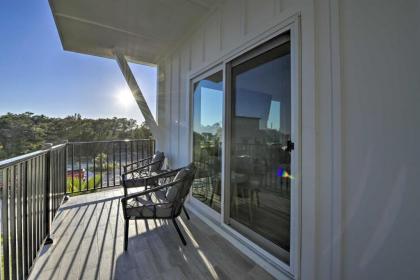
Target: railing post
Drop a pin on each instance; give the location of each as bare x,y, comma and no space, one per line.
48,240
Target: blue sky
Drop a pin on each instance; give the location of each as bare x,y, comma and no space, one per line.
37,75
211,106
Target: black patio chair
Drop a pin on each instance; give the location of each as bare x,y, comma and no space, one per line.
164,201
136,174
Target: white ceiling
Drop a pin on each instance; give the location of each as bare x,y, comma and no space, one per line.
141,29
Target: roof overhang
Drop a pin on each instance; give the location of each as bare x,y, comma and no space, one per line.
142,30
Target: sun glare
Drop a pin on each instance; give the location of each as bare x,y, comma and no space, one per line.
124,97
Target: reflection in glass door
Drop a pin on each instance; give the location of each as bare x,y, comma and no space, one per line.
207,139
260,147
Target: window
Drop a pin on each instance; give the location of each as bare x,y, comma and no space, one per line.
207,139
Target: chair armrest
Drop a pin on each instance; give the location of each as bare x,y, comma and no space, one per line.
138,169
167,173
154,189
137,163
147,180
157,176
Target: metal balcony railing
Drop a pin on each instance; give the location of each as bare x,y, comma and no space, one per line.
33,187
99,164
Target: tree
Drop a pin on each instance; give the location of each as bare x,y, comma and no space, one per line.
23,133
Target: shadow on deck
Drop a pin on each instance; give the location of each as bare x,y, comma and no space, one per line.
88,244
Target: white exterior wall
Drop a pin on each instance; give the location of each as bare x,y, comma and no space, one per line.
381,135
227,27
360,86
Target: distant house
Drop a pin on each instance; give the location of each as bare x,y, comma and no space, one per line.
77,173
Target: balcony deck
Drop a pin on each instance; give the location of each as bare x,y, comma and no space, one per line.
88,244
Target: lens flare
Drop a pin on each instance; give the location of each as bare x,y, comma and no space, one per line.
281,172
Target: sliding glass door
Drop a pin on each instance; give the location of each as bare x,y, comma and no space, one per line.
257,153
260,146
207,139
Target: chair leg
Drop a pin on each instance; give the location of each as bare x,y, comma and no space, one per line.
126,234
179,232
185,211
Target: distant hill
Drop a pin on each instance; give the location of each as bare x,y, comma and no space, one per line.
23,133
213,129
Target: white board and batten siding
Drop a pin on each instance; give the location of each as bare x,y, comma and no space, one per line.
226,28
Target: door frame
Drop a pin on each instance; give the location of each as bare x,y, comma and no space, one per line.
292,25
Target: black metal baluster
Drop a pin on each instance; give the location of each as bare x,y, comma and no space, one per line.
5,225
47,194
30,212
25,219
41,199
38,196
54,180
53,183
131,151
57,184
126,152
19,220
151,147
12,218
63,176
142,149
113,159
137,150
41,196
61,180
38,188
119,144
107,165
57,169
101,163
87,168
72,168
80,167
63,190
34,208
94,169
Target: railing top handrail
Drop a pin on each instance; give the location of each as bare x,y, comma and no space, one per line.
110,141
12,161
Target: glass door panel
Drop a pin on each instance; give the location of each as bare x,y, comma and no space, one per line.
207,139
260,147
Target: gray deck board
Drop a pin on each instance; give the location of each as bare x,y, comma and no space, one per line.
88,244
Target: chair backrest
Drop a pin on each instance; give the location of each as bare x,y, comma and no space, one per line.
177,193
157,161
187,186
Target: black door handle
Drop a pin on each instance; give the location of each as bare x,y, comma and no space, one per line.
290,146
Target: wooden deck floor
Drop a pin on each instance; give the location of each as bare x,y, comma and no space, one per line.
88,244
